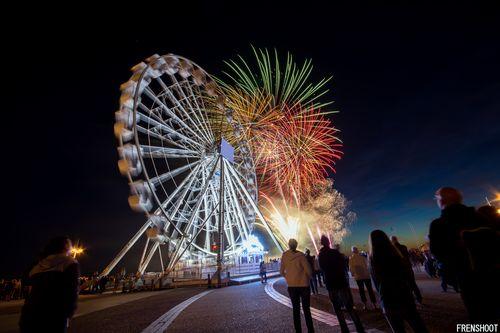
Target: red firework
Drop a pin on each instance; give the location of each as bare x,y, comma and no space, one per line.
295,151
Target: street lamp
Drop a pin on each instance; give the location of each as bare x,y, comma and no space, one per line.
75,251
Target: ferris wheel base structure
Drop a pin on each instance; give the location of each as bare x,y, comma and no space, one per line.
189,166
154,240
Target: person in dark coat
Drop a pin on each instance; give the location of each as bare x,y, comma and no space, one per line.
52,300
103,281
406,258
314,282
463,243
263,272
333,263
391,277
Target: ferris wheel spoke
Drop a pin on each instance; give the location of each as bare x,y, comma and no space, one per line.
184,188
202,107
236,189
186,116
229,231
192,241
191,189
171,174
252,203
159,123
195,210
181,199
180,187
162,138
205,116
162,152
169,112
179,103
237,207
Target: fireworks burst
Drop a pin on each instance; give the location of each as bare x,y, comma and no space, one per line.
286,85
294,145
326,213
330,209
285,225
296,152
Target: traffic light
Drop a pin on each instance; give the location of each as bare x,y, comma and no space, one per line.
214,247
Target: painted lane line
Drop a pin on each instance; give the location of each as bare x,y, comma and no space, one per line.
322,316
161,324
319,315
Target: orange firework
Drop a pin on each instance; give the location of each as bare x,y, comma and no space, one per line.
296,151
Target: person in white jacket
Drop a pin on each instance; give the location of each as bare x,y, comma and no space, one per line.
358,265
297,273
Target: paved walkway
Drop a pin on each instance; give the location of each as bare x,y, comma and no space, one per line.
96,312
251,307
245,308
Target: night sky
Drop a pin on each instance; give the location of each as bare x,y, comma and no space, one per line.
418,90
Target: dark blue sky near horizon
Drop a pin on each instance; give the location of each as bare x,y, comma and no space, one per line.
417,89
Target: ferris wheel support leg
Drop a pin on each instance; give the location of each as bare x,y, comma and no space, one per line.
254,206
220,228
178,248
144,252
145,264
125,249
175,260
161,258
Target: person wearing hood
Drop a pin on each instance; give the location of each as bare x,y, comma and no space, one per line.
54,282
333,265
297,273
467,248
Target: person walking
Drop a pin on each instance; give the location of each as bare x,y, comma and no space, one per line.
8,290
263,272
358,265
333,265
52,300
468,250
392,280
314,282
317,272
406,259
446,280
103,281
297,273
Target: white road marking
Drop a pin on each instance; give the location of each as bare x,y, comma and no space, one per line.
322,316
161,324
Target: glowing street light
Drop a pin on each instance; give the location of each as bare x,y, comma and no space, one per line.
75,251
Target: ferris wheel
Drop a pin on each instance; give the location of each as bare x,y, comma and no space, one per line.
188,164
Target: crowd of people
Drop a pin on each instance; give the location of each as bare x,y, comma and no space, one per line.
464,249
11,289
